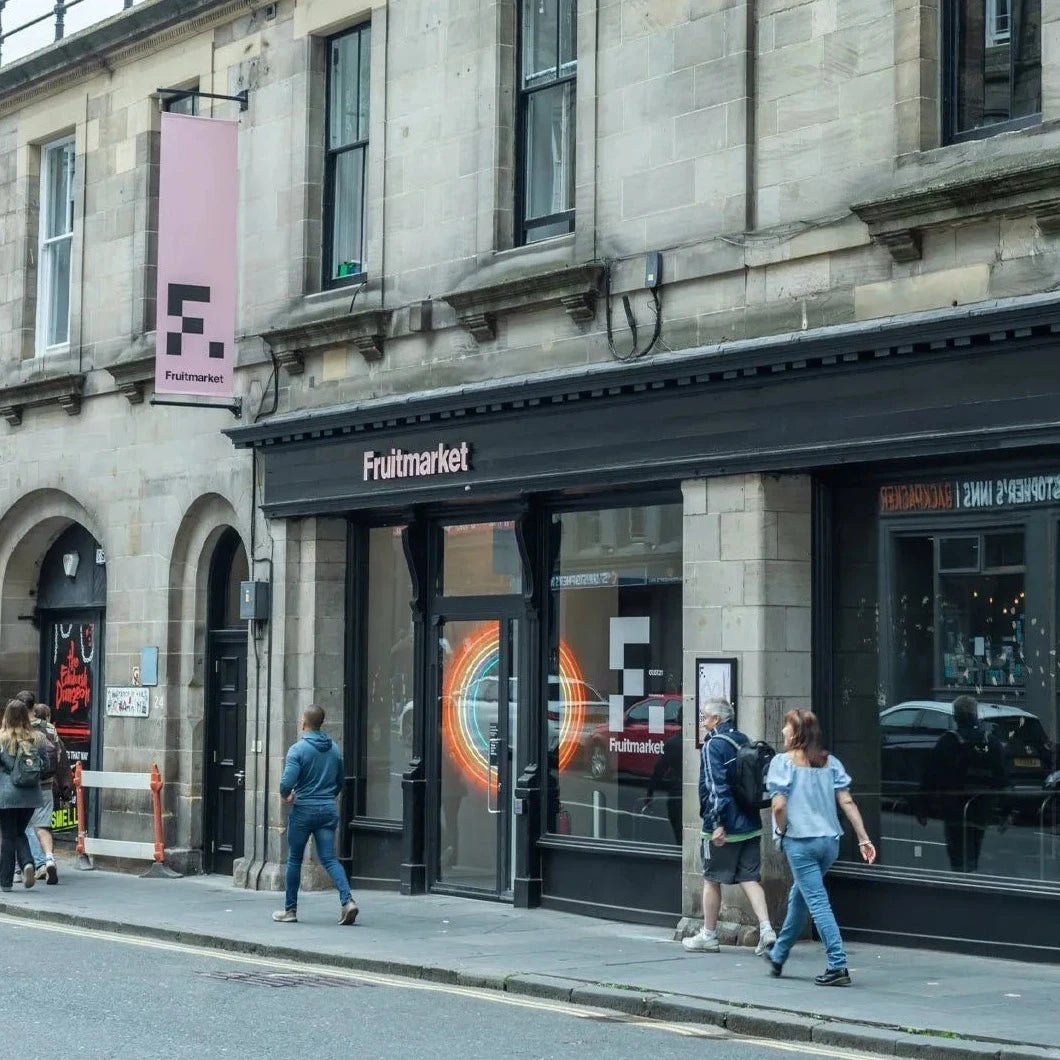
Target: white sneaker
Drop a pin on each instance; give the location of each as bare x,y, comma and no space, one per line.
702,941
767,937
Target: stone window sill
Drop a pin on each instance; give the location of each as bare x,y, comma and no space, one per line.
64,390
328,319
977,190
528,278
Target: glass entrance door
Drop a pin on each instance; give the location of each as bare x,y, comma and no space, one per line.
478,706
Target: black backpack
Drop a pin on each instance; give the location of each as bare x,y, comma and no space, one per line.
50,754
746,773
27,766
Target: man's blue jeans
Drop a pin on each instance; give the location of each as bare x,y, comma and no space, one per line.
810,859
320,822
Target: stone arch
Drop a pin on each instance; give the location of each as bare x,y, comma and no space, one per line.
202,526
28,529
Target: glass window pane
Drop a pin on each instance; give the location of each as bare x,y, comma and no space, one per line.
1003,550
998,61
347,229
364,90
183,105
614,718
57,312
59,180
481,559
549,163
568,37
959,553
388,657
981,625
540,38
343,104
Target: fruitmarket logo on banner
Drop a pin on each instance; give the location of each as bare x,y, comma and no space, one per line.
197,202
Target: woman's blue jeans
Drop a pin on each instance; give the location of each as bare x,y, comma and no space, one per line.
810,859
320,822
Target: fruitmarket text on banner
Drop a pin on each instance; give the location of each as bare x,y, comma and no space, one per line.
196,309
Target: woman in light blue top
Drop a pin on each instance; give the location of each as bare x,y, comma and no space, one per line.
806,785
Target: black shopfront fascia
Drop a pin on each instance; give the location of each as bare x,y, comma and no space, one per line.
938,386
979,494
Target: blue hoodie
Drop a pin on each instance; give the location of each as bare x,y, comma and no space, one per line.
313,770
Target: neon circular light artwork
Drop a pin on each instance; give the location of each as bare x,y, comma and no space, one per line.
470,703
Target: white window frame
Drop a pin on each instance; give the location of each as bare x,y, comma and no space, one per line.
51,153
998,22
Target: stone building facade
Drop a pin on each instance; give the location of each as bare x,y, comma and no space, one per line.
856,223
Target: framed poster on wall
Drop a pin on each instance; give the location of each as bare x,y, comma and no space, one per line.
715,679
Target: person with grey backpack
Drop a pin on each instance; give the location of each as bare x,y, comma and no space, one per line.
21,767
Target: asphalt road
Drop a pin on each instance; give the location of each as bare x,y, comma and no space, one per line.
70,992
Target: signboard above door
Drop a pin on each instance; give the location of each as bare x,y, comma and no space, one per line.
970,493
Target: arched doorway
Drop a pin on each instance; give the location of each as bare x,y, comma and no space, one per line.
226,707
71,604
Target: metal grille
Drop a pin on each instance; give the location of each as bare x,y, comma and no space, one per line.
277,979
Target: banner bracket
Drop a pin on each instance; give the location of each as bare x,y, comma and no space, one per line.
242,98
235,406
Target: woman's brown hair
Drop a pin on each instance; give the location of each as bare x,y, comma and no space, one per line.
16,727
806,736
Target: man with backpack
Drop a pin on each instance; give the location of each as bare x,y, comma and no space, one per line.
731,790
54,776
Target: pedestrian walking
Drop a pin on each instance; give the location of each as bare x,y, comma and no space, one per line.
807,784
21,764
311,782
55,778
731,842
35,848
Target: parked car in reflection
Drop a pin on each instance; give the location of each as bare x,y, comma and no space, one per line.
636,748
909,732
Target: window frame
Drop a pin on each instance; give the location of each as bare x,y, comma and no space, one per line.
949,12
49,152
329,281
523,224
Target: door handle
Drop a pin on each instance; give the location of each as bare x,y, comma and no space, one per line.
239,778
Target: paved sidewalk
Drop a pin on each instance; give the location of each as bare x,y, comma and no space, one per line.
903,1003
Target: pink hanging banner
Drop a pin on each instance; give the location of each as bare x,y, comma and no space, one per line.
198,192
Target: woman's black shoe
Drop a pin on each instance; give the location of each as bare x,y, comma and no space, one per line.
775,969
833,977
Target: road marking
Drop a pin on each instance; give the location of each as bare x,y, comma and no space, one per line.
497,997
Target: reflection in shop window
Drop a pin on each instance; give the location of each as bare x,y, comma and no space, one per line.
964,760
615,669
481,559
388,668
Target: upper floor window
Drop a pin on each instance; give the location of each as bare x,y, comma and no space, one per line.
993,67
185,103
349,64
547,87
56,240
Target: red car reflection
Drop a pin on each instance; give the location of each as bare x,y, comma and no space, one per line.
635,749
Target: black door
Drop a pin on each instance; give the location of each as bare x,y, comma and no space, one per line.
226,734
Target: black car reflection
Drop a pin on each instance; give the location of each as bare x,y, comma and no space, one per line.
910,731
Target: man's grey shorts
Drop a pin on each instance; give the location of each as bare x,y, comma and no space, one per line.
732,862
42,815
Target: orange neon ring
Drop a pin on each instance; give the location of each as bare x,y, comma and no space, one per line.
464,739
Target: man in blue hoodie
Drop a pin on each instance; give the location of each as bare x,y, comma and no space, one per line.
311,782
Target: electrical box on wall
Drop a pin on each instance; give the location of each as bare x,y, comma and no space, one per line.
254,601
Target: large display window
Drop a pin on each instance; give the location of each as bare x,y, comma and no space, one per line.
944,686
388,709
614,675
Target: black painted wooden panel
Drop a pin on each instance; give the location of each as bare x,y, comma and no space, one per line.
933,405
